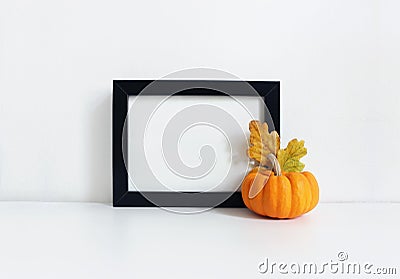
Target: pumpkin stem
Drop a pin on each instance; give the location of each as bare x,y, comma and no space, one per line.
275,164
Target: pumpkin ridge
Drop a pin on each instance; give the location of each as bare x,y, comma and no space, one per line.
284,203
309,193
291,197
303,192
266,198
314,189
262,201
296,199
249,183
290,193
269,207
246,184
278,193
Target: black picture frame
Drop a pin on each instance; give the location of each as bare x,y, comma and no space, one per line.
269,91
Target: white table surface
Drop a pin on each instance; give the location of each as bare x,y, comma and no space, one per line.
89,240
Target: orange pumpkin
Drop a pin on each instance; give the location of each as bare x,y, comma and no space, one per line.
279,195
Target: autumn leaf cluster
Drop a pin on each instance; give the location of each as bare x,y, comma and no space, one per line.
263,142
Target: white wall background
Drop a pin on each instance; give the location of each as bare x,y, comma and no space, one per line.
338,62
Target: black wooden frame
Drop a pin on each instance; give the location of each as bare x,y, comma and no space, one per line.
122,89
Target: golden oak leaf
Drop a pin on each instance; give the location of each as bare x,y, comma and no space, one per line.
262,142
289,158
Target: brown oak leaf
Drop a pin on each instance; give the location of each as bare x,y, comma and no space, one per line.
262,142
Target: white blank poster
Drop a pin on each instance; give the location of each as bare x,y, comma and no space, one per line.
208,153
